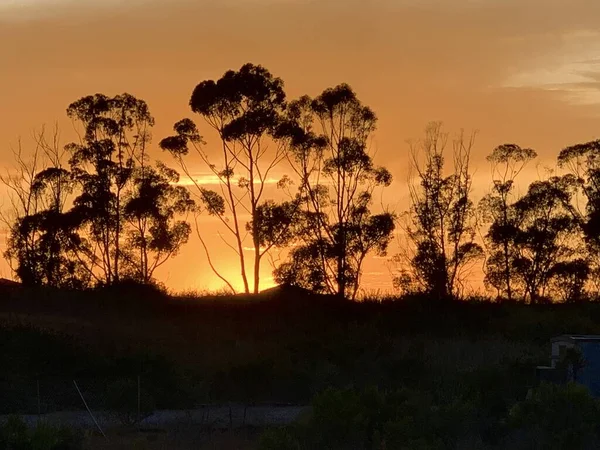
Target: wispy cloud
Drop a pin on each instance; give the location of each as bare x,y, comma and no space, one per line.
203,179
206,179
26,10
572,69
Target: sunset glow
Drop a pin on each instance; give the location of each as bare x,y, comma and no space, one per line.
524,72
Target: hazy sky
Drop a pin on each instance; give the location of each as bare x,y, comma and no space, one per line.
522,71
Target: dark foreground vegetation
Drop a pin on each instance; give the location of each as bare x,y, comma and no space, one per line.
383,373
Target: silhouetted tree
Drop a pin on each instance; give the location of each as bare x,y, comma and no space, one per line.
154,234
583,161
568,280
274,223
546,241
336,230
116,131
245,108
41,238
19,182
441,224
507,162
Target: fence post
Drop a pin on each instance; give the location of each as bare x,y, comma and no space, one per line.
89,411
39,400
139,402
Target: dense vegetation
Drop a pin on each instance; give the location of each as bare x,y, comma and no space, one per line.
15,435
552,418
472,362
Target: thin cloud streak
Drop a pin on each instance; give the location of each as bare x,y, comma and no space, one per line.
214,180
573,70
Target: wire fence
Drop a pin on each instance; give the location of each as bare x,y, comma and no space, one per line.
25,395
105,402
128,400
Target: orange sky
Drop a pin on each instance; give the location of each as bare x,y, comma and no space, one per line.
519,71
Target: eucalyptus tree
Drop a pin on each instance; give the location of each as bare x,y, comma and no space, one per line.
245,109
507,162
155,212
115,133
583,162
441,220
19,182
336,229
41,239
547,251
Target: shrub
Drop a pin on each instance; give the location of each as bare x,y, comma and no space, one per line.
278,439
372,420
122,398
14,435
46,437
555,417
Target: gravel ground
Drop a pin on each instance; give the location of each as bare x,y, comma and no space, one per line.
213,416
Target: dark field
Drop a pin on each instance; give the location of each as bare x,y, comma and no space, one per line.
284,347
176,440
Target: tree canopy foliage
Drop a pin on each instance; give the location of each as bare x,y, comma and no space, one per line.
441,226
106,215
245,108
336,229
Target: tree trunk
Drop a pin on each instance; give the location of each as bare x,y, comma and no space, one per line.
507,256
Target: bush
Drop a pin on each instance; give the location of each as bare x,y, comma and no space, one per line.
278,439
14,435
342,418
122,398
555,417
371,420
161,383
45,437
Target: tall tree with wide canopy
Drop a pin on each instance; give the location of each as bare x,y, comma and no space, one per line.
496,209
116,132
441,221
547,242
41,239
583,162
336,230
245,109
154,232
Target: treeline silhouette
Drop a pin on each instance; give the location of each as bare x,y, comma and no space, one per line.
99,212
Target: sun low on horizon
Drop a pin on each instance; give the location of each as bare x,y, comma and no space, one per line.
524,72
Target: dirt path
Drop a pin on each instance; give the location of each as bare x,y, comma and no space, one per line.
213,416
